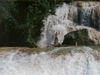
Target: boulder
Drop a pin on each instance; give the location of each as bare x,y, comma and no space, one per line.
78,37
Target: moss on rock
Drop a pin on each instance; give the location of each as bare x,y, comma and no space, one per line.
79,37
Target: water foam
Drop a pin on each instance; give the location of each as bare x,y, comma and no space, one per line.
78,61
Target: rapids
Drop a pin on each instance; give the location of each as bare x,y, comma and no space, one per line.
60,61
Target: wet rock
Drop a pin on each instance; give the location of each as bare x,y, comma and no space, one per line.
79,37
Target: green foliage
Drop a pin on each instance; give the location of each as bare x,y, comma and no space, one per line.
70,36
36,13
6,20
21,21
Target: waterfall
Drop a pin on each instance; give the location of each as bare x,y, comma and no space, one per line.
59,21
63,60
89,13
59,61
67,18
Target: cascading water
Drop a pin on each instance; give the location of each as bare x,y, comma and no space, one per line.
67,18
89,13
57,22
60,61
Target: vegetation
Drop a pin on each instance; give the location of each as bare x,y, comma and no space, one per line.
21,21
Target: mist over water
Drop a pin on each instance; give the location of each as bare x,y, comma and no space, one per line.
71,61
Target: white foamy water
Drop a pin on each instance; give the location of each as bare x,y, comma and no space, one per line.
67,18
78,61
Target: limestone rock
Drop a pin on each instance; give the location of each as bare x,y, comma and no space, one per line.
94,35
